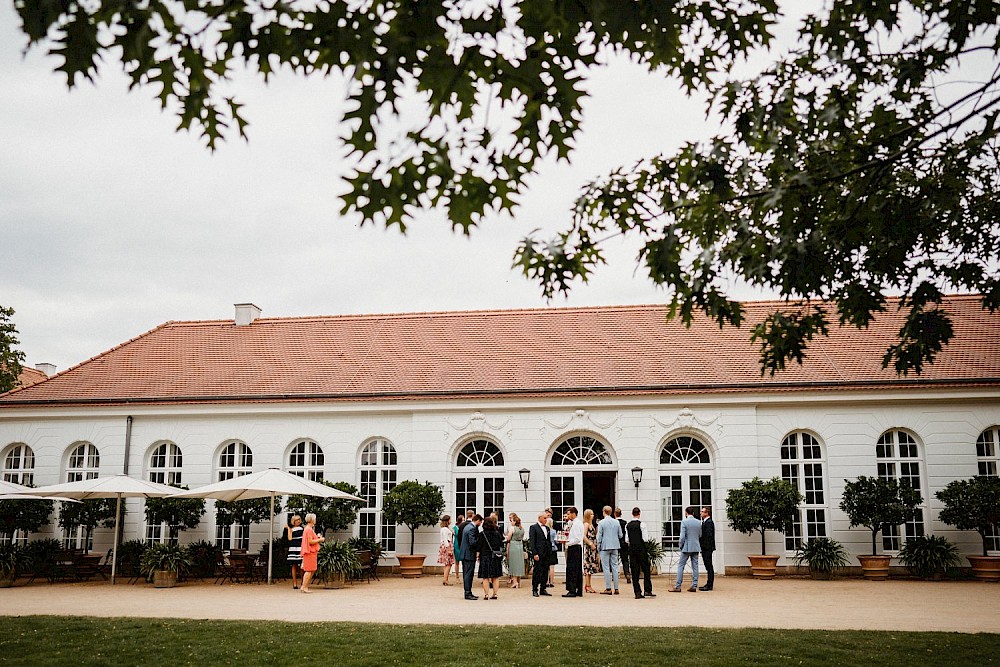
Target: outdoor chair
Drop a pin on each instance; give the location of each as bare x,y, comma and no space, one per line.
366,558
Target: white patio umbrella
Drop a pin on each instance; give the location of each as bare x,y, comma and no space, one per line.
115,486
267,483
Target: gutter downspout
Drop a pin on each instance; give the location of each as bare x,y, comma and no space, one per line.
128,442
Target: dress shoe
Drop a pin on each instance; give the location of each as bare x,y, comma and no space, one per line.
607,592
693,589
675,589
534,594
545,593
705,588
650,595
471,597
616,591
639,597
569,595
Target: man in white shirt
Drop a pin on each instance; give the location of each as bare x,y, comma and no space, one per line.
638,558
574,555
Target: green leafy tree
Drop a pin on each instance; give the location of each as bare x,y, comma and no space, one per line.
26,515
89,514
846,167
11,359
331,513
178,513
245,512
972,504
757,506
413,504
878,504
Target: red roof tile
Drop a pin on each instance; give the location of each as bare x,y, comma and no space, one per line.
572,351
30,376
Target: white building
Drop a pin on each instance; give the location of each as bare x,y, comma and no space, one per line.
584,399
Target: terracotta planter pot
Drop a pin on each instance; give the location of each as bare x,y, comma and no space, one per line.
411,567
875,568
164,579
334,580
763,567
985,568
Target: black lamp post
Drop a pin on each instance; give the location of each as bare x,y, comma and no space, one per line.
525,476
636,478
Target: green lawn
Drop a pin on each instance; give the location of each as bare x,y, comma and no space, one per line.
50,640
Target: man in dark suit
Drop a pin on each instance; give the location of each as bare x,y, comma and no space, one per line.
707,546
541,547
638,558
469,545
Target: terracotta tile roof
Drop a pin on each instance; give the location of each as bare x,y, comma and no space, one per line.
30,376
570,351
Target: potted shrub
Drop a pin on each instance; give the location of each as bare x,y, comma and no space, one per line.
929,556
878,504
415,505
163,563
335,562
758,506
823,555
12,560
974,504
655,552
40,556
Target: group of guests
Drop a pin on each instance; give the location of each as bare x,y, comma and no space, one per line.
590,549
303,549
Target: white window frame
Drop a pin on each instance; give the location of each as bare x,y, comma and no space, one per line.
165,464
82,462
893,463
18,467
235,459
479,464
801,453
378,472
988,465
686,460
306,459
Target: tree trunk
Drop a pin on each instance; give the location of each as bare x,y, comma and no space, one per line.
874,548
763,547
413,534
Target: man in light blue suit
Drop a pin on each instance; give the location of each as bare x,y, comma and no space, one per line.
690,547
609,543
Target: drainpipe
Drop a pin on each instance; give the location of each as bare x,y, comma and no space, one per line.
128,442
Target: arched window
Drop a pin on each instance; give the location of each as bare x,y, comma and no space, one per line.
685,481
479,482
235,460
165,462
580,450
378,476
898,457
19,465
305,459
19,468
802,465
988,461
84,463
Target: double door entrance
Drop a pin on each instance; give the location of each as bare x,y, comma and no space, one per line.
589,489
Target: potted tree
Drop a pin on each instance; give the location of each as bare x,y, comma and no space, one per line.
336,562
415,505
974,504
26,515
758,506
823,555
878,504
178,513
245,512
88,514
163,563
929,556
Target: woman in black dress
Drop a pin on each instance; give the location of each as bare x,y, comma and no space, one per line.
490,563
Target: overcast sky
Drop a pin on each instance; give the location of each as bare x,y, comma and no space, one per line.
113,223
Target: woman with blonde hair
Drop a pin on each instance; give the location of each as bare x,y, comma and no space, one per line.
310,549
591,559
514,539
446,548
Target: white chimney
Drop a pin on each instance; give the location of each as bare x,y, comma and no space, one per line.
246,313
48,369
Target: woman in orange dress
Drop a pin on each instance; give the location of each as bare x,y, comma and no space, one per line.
310,549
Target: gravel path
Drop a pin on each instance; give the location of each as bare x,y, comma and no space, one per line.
736,602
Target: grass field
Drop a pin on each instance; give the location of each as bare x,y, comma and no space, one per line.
64,641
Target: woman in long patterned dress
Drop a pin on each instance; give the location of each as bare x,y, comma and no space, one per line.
591,559
515,550
491,564
294,534
446,548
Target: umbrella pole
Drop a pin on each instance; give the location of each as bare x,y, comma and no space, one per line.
114,551
270,542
